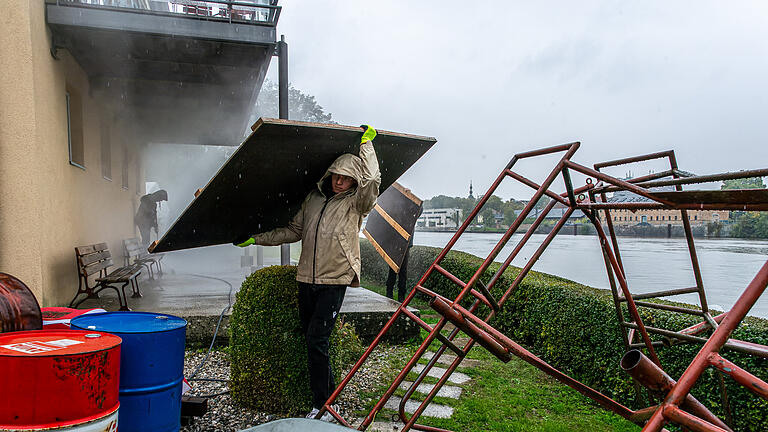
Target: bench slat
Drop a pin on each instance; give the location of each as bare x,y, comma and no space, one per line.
94,257
83,250
95,268
122,274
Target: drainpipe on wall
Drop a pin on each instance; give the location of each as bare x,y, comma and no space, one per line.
282,70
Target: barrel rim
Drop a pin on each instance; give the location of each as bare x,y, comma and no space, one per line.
117,332
53,426
66,332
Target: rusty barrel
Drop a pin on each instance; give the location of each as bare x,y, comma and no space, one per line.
19,309
59,380
152,366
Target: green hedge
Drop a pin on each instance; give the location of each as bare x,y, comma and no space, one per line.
268,353
575,328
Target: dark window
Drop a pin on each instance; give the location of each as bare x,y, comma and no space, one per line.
125,167
106,152
75,128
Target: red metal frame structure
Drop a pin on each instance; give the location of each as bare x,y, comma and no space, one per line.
678,405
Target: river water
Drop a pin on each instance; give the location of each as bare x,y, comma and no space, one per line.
651,264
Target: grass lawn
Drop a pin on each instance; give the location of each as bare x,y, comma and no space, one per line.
512,396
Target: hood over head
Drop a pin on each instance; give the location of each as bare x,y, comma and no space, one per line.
160,195
347,164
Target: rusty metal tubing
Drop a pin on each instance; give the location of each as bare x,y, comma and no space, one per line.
423,374
625,337
662,306
450,276
542,216
700,179
570,147
635,159
569,186
625,289
612,232
652,377
364,357
702,326
665,293
485,340
466,223
743,305
401,376
545,367
412,389
609,179
518,221
536,255
431,395
732,344
689,421
713,344
692,250
535,186
684,206
741,376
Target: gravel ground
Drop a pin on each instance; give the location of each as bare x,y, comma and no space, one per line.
224,415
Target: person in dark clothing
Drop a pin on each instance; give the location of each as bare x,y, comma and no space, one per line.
146,216
402,275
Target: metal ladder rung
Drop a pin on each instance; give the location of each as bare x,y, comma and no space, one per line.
658,294
492,301
670,308
485,298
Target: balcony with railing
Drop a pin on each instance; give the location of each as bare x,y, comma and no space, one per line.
259,12
169,59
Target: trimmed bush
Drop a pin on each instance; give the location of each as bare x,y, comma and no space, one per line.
575,328
268,353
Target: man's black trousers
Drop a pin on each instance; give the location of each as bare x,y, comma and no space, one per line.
402,278
318,308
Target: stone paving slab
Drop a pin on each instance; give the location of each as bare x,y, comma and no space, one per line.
447,391
432,410
447,359
437,372
381,426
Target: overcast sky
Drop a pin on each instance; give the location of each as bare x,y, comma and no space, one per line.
491,79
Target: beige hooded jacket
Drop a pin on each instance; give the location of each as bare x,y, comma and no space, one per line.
328,225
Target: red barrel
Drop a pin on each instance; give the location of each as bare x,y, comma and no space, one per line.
54,379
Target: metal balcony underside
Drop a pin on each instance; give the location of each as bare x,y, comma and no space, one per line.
198,73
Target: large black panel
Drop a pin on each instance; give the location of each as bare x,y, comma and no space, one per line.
391,223
264,182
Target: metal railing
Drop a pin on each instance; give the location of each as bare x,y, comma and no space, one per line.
261,12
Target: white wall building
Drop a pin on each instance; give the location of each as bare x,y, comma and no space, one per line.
440,218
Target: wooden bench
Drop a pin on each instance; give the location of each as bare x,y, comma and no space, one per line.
95,261
136,254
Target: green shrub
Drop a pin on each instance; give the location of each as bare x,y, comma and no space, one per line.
268,353
575,328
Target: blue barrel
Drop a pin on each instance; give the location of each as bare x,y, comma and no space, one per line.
151,366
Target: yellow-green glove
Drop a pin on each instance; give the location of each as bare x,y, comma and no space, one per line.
368,135
246,243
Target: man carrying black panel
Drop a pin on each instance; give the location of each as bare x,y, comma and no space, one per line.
328,225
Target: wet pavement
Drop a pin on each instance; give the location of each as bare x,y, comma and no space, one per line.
199,285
